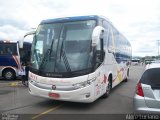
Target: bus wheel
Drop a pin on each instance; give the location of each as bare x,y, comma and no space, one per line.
9,74
126,80
108,89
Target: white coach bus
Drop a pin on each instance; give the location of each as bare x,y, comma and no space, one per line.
77,59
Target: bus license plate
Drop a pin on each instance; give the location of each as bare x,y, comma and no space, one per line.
54,95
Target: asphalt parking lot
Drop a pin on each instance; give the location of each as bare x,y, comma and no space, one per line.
15,99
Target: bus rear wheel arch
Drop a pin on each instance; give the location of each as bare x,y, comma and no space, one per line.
108,88
9,74
127,76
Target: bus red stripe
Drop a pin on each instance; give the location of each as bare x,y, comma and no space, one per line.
15,58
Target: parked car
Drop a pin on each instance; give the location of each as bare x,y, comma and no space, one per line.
155,61
147,96
135,62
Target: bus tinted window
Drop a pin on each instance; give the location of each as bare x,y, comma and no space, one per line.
106,32
8,49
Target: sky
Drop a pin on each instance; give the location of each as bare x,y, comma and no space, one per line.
137,20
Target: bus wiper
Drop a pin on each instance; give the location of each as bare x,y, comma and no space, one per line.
44,59
48,53
63,55
51,48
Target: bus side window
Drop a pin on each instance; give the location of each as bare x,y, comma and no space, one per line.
106,33
9,51
1,52
1,49
110,43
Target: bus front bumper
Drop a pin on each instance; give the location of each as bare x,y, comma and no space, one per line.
84,95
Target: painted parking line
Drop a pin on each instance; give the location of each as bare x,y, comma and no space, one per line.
11,84
47,111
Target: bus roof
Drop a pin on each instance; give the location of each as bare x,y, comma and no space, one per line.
7,41
66,19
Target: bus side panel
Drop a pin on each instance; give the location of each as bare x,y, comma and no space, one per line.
117,55
101,80
8,61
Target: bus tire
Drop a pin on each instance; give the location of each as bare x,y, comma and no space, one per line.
9,74
108,88
126,80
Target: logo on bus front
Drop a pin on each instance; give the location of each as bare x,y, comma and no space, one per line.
53,87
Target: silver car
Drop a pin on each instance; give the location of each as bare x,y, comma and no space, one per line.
147,96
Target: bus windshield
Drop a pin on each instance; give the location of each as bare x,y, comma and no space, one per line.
63,48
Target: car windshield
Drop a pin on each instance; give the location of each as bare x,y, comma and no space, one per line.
135,61
63,47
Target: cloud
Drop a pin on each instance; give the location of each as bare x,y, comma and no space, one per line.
16,23
138,20
8,32
58,6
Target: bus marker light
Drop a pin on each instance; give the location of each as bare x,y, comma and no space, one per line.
87,95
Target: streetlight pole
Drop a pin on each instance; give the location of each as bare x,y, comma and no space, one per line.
158,47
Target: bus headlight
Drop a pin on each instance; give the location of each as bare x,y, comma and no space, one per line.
84,84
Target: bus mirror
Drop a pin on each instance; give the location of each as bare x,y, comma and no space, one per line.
30,33
21,43
109,51
22,39
97,35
